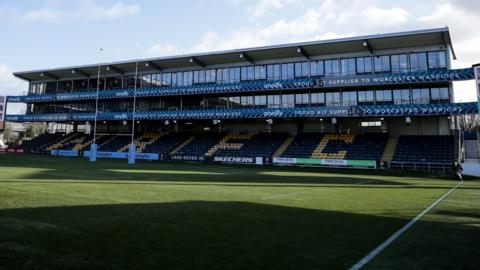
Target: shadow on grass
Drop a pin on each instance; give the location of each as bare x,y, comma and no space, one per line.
55,168
196,235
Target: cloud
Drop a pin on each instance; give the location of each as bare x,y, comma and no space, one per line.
161,50
11,86
385,17
263,7
84,11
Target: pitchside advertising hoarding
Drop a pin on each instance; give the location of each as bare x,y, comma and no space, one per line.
326,162
476,70
3,102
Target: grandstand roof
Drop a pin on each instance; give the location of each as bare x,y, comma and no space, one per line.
370,43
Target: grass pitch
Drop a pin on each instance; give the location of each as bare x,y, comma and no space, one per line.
66,213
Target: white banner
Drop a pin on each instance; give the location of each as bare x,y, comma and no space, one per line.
476,70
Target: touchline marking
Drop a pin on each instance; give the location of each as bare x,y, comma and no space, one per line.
282,195
398,233
364,182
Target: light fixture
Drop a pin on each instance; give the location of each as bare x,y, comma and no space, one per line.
299,50
138,122
365,44
191,60
124,122
381,119
321,119
334,120
408,120
104,122
270,121
167,122
174,121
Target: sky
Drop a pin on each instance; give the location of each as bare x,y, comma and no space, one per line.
54,33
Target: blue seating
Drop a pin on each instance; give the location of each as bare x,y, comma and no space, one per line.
363,147
40,143
167,143
424,148
201,144
115,144
303,145
259,145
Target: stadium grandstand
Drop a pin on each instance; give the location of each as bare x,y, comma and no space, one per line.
375,101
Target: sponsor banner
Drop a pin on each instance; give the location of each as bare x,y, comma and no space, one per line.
187,158
241,160
15,151
281,160
263,113
477,82
147,156
326,162
446,75
65,153
122,155
399,78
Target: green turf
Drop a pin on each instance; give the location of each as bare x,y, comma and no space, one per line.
65,213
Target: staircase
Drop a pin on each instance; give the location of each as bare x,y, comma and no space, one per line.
389,151
283,147
182,145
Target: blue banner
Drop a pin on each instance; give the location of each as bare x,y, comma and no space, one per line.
262,113
441,75
123,155
65,153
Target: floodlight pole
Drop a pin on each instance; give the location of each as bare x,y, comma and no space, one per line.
93,146
132,148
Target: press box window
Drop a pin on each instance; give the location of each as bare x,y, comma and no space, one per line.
371,124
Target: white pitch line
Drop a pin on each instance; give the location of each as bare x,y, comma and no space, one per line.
398,233
365,182
282,195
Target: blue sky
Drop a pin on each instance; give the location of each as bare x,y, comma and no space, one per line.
55,33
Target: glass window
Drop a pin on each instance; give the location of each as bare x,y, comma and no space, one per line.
302,99
364,65
260,101
273,72
349,98
366,97
199,76
273,101
317,68
234,75
222,75
332,99
187,78
331,67
166,79
383,96
420,96
247,73
317,99
399,63
437,60
288,101
260,73
401,96
210,76
440,94
234,102
301,69
287,71
382,63
348,66
418,61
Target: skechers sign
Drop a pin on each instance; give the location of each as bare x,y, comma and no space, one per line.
234,159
